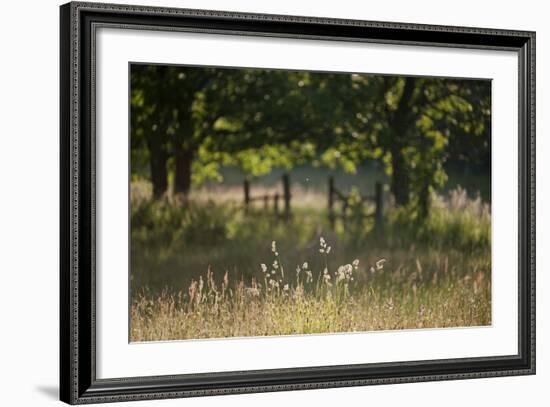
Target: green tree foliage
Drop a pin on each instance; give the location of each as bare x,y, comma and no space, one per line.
413,125
192,120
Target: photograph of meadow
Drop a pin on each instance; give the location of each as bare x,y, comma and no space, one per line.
274,202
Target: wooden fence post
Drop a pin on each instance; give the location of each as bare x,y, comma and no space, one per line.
331,202
246,195
286,195
266,202
379,206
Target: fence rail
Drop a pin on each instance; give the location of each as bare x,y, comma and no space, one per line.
334,195
274,198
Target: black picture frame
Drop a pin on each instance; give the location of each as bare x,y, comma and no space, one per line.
78,382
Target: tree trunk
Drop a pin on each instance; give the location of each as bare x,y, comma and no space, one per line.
424,201
159,174
400,182
401,123
182,181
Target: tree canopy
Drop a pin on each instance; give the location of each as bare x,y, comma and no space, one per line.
187,122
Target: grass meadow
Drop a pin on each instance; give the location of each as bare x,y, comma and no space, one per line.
204,269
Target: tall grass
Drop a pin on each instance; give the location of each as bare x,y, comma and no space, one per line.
455,222
205,270
299,301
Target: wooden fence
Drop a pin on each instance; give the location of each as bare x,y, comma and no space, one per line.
335,195
270,200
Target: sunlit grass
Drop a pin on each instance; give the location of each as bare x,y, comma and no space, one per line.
347,298
205,270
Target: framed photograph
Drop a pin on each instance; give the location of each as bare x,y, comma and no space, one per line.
255,203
